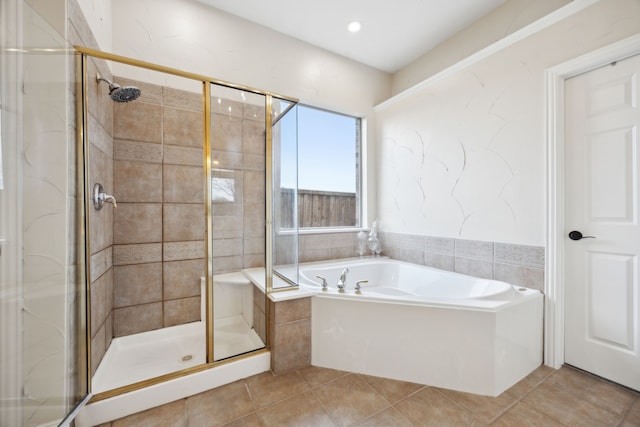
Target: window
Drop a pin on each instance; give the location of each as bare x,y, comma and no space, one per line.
328,169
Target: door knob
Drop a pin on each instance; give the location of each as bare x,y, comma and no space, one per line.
576,235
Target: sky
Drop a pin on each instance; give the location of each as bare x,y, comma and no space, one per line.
326,150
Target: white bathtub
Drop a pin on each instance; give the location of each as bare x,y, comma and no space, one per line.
419,324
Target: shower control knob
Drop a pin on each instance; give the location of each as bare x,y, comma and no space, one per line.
576,235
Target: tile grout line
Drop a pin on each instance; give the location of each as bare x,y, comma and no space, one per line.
624,414
471,413
253,402
378,413
185,416
508,408
593,376
627,411
389,404
521,398
394,406
277,402
326,382
324,408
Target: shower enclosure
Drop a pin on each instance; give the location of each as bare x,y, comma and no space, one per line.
189,166
185,167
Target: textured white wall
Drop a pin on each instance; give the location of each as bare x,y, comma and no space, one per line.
98,16
504,20
465,156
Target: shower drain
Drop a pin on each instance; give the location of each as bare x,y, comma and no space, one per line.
187,357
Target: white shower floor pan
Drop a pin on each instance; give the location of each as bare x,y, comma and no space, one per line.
147,355
232,336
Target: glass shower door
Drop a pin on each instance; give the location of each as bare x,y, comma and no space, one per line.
42,371
148,249
238,203
285,194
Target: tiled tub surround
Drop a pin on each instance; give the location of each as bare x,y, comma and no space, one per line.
317,246
324,246
289,323
290,331
159,225
516,264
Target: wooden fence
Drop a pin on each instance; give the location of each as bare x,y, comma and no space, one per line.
318,208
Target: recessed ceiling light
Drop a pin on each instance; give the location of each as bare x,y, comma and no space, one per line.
354,26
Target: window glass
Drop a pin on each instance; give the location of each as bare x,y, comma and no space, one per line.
328,169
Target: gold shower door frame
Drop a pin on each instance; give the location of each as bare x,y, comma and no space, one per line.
82,119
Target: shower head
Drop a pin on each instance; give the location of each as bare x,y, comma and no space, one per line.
120,93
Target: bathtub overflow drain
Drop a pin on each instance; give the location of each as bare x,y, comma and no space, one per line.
187,357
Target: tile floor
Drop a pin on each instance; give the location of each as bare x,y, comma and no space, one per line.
324,397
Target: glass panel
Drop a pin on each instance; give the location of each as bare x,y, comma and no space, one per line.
40,310
238,196
148,252
11,352
285,194
329,170
46,295
280,107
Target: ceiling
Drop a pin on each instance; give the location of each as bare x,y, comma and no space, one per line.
394,33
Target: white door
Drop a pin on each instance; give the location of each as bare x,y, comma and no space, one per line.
602,199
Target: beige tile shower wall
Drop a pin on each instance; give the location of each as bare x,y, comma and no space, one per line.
159,225
238,207
100,137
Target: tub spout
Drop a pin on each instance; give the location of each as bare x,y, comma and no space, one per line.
342,281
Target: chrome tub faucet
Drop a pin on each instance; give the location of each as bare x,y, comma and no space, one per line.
342,281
